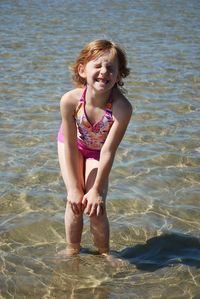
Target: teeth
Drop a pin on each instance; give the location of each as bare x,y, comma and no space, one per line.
102,80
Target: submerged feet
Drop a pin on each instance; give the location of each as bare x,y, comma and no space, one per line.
114,261
72,250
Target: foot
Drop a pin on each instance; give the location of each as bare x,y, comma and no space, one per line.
69,251
113,260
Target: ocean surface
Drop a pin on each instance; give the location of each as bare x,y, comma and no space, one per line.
154,193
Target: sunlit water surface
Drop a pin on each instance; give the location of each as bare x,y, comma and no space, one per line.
154,193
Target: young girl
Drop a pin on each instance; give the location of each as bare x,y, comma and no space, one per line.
95,116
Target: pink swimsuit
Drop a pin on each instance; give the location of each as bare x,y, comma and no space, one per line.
90,138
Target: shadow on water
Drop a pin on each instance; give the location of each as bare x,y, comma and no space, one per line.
163,251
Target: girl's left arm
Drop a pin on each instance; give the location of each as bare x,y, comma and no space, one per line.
122,113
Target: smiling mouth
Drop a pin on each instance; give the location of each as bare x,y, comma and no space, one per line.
102,80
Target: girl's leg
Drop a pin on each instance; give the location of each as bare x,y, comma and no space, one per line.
73,223
99,225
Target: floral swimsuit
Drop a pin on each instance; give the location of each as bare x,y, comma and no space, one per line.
90,138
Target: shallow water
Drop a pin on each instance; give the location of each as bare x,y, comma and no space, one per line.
153,200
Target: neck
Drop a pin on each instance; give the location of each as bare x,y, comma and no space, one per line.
94,98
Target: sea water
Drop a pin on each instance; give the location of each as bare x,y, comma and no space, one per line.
154,191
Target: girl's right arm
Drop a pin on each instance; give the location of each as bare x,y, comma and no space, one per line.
74,187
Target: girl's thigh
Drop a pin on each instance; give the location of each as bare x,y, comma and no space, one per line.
91,168
62,162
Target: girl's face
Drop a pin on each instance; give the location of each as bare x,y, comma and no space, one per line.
102,72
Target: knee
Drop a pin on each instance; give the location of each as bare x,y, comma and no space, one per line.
70,216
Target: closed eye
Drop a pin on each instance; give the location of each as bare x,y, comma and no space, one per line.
97,66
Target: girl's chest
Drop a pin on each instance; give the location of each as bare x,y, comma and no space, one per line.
94,115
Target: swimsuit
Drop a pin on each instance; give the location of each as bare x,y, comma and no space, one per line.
90,138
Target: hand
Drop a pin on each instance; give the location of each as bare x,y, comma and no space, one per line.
74,198
93,203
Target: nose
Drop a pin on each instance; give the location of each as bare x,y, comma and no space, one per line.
103,70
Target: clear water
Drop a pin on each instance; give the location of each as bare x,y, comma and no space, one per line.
154,193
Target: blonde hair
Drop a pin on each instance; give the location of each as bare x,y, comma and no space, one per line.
95,49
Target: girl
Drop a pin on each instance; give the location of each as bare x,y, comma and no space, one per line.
95,116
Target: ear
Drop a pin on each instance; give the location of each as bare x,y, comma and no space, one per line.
81,71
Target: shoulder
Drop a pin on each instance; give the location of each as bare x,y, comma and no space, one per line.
69,102
71,98
122,107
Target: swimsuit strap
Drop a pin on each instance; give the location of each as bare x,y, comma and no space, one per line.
82,99
81,102
108,109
